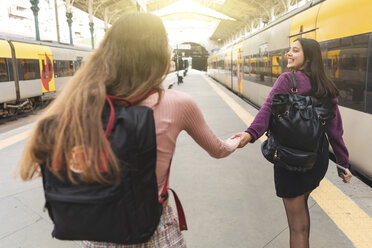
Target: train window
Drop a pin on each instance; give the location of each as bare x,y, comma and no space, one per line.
70,68
221,65
29,69
346,65
361,39
346,41
4,75
234,69
254,65
10,69
276,65
63,68
334,43
246,67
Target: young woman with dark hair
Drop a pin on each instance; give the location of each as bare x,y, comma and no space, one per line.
131,62
304,59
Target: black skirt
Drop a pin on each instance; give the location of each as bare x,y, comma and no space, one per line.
289,184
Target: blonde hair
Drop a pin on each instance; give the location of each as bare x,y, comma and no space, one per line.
131,61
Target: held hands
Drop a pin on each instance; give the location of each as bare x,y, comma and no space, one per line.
346,176
244,138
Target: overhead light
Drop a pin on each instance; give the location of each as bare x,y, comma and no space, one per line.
220,1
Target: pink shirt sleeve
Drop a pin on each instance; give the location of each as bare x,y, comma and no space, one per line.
197,128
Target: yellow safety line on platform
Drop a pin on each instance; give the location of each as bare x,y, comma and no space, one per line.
13,139
350,219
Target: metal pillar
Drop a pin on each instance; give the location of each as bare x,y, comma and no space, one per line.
36,9
91,24
91,28
57,23
69,21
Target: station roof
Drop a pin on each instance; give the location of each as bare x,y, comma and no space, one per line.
235,15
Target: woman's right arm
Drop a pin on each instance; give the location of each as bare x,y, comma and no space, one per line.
197,128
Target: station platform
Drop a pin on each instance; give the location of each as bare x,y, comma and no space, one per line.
229,202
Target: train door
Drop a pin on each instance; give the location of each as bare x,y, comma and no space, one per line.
231,69
240,71
226,69
333,63
276,65
47,73
8,85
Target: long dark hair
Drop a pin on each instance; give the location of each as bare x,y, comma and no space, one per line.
313,66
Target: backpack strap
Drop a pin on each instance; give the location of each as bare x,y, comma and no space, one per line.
164,195
111,121
126,102
294,87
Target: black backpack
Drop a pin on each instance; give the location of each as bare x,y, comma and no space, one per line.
127,213
296,129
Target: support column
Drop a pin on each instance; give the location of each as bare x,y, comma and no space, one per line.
91,24
69,19
57,22
272,17
91,28
36,9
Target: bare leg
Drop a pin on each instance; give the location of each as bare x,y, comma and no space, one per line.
307,194
298,220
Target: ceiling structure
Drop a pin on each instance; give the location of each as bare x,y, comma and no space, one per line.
234,16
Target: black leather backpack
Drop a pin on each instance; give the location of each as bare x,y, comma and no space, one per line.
296,129
126,213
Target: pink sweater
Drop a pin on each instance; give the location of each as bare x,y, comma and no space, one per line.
177,111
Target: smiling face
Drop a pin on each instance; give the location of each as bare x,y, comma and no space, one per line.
295,56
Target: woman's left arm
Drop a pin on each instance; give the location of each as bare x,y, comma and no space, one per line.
260,123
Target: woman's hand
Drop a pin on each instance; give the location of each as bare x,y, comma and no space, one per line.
346,177
244,138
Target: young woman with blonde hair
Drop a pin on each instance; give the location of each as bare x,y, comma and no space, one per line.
131,62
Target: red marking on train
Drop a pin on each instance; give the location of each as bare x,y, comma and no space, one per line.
48,72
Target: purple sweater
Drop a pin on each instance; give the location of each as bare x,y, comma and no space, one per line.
334,128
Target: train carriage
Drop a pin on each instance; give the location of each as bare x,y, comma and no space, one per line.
345,36
32,72
65,64
34,69
7,85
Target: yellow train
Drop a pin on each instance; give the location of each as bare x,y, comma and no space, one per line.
32,72
344,31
